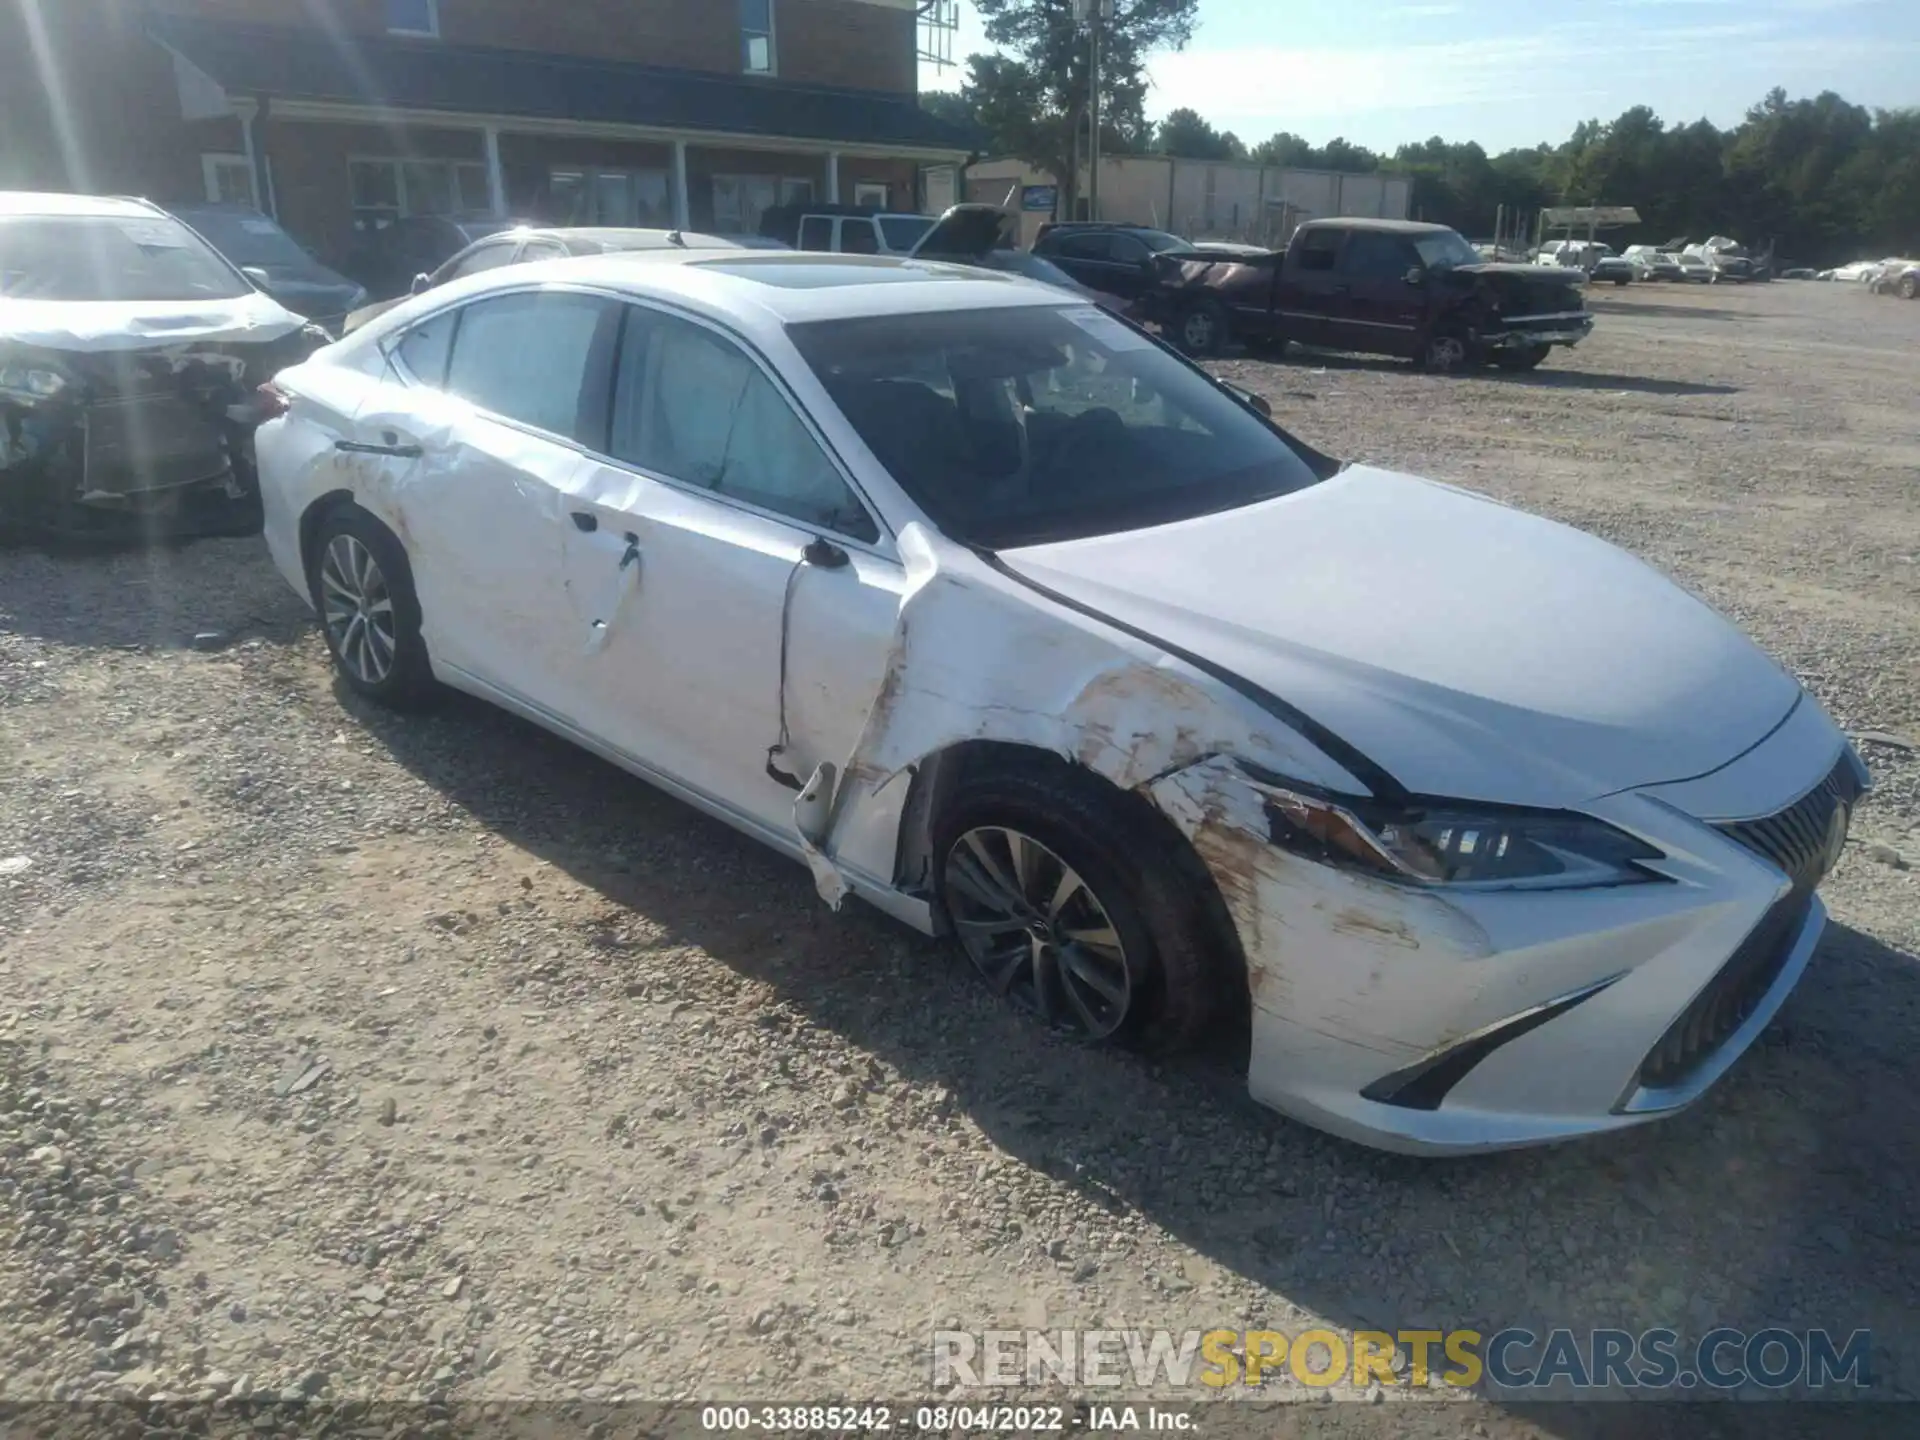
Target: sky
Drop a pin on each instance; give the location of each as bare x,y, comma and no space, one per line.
1382,72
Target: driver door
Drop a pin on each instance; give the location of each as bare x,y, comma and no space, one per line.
1376,309
733,594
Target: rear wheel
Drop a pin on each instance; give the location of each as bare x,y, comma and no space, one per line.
363,591
1909,286
1079,910
1521,358
1203,329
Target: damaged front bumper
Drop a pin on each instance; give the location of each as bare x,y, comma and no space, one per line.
1523,332
1436,1020
145,441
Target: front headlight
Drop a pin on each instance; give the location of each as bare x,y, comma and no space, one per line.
25,382
1459,846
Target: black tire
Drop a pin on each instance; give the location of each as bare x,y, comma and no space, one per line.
1447,350
1620,279
1203,329
1159,898
406,682
1909,287
1527,358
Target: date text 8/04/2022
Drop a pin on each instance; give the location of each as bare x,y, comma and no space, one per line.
943,1419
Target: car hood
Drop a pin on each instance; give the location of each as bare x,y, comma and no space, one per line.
969,231
1470,649
103,325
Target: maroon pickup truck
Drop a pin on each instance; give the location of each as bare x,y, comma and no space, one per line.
1385,287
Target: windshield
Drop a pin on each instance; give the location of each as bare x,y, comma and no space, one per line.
1034,267
1017,427
247,239
1445,250
100,257
903,232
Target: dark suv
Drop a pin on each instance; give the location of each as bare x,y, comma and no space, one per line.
1114,259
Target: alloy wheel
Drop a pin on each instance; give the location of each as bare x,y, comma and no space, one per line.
357,609
1446,352
1035,929
1197,332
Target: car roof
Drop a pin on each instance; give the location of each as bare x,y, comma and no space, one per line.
1362,222
119,207
753,288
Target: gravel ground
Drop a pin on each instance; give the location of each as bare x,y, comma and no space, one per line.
355,1058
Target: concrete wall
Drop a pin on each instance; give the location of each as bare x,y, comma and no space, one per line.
1230,201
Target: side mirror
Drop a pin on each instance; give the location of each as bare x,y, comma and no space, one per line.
421,284
257,276
1416,275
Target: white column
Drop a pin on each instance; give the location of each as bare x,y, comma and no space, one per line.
833,177
682,207
496,177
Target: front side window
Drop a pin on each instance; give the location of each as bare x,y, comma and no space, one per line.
1445,250
903,232
756,36
484,257
413,17
1371,255
1017,427
131,258
691,405
526,357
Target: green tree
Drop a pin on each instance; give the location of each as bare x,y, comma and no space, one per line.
1032,94
1185,135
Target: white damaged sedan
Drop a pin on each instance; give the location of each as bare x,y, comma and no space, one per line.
1008,620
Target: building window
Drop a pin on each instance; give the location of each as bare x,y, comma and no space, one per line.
385,190
413,17
756,37
870,194
639,198
229,180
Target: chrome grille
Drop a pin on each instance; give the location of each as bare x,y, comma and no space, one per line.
1799,839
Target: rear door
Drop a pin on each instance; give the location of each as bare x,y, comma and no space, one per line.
1375,307
467,449
1307,285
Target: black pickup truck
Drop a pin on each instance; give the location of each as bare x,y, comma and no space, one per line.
1386,287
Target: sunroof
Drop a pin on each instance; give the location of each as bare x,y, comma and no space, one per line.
833,272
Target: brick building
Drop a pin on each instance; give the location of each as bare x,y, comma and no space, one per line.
337,115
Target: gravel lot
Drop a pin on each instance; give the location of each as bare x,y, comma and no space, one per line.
356,1058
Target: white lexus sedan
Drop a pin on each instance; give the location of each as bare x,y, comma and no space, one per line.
1003,617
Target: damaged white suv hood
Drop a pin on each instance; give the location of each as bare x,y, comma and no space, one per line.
1469,649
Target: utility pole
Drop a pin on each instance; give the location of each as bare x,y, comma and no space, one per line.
1092,13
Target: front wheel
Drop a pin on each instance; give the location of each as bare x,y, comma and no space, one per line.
1619,279
1445,351
1521,357
363,591
1203,330
1079,910
1909,287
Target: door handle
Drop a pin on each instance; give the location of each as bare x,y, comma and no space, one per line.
632,555
404,452
585,521
1343,290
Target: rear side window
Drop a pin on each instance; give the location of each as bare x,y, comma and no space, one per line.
857,238
1128,249
1318,248
1084,247
526,357
816,233
423,350
903,232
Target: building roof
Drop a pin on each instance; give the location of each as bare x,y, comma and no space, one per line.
427,75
